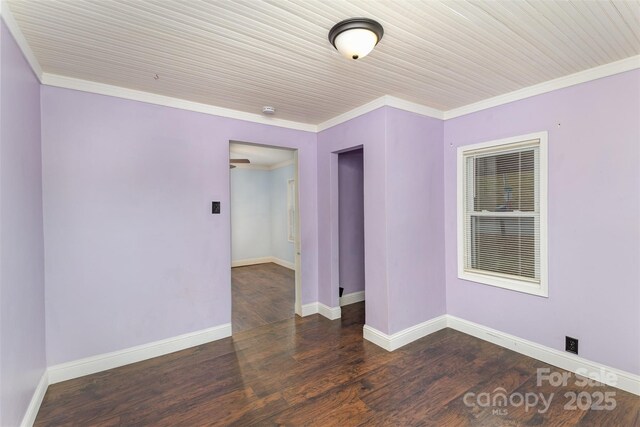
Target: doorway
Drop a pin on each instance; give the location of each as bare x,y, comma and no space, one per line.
265,265
351,263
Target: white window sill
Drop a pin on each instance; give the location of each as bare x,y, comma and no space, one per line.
538,289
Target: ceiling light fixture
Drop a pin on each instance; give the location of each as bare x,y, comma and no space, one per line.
354,38
268,110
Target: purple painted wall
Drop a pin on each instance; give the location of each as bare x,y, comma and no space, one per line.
134,255
415,214
133,252
594,232
351,220
403,202
367,131
22,322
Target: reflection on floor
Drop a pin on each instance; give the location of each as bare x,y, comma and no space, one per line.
262,294
315,372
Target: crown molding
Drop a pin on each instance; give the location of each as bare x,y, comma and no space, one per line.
595,73
48,79
352,114
606,70
17,34
383,101
168,101
423,110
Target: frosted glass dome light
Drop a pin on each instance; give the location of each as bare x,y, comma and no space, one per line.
354,38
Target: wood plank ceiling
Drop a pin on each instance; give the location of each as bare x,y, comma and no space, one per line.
244,54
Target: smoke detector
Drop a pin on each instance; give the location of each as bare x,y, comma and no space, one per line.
269,110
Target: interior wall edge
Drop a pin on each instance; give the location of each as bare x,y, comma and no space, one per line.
17,34
36,400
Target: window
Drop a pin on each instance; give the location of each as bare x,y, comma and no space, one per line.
291,210
502,213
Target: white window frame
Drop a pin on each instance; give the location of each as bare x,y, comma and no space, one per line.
507,144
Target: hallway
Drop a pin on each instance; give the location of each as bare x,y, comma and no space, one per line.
261,294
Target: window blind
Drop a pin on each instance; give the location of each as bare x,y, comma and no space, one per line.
502,211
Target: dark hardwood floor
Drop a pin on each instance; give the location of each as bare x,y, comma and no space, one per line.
312,371
262,294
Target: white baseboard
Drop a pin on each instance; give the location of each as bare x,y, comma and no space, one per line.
263,260
102,362
309,309
250,261
331,313
283,263
351,298
34,405
54,374
406,336
567,361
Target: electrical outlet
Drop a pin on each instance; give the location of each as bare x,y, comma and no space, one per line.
215,207
571,345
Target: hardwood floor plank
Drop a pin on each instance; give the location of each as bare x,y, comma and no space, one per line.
261,294
312,371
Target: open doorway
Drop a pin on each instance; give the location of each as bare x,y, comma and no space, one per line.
351,226
265,266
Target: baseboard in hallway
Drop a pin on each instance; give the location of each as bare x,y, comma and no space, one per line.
263,260
351,298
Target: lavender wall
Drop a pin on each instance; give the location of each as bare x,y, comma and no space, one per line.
351,220
367,131
250,211
22,323
594,232
415,214
133,252
403,204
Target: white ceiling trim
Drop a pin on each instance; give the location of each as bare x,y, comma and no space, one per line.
383,101
17,34
168,101
401,104
352,114
628,64
606,70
